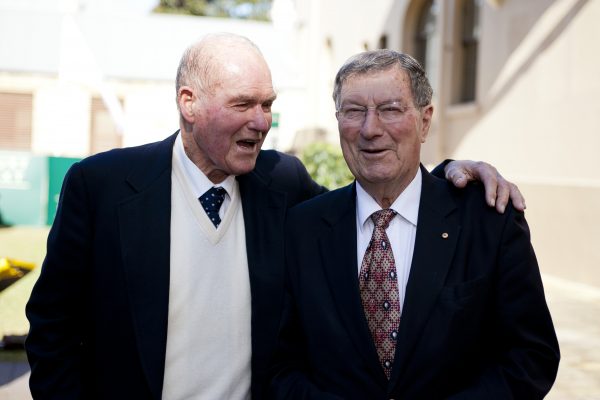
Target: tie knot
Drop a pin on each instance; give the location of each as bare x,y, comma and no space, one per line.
213,198
382,218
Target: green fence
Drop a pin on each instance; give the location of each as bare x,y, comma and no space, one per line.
30,186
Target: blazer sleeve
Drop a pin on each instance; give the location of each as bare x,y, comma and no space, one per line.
56,307
525,359
287,174
438,171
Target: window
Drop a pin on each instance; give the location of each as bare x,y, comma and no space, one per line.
104,134
15,121
466,51
383,42
427,38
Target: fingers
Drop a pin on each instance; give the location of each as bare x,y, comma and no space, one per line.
458,172
489,176
517,198
498,191
458,179
502,194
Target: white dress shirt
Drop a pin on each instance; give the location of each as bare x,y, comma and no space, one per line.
200,182
401,231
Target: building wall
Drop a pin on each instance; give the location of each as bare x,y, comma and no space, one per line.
62,112
537,118
71,58
328,32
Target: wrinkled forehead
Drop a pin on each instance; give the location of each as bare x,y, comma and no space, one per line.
239,63
379,84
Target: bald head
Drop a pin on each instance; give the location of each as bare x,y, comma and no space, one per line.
204,61
224,95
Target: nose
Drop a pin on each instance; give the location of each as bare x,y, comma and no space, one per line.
371,126
261,119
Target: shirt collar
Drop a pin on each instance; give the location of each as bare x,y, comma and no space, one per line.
198,181
406,205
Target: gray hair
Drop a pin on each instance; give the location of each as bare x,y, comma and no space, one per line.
383,60
197,67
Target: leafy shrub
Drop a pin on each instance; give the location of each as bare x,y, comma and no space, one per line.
326,164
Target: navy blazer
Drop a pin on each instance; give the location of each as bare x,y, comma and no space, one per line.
98,313
474,324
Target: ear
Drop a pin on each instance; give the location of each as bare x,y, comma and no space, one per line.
185,100
426,115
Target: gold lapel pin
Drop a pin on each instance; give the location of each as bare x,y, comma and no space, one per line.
445,235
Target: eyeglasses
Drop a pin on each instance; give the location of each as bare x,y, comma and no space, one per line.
387,113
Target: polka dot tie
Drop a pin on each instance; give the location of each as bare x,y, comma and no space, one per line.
211,202
379,291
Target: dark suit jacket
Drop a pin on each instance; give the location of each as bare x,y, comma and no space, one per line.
474,324
98,312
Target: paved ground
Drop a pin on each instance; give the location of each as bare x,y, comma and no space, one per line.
575,309
576,312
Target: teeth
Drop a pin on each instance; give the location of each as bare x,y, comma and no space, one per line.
247,143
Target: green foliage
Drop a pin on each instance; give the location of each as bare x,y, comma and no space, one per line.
243,9
326,164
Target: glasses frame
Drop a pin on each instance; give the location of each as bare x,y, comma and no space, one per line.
388,112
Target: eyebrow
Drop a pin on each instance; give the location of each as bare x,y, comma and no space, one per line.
252,99
383,103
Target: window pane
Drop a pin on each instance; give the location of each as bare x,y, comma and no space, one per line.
468,50
428,39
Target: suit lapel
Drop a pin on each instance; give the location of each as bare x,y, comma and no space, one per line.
341,268
145,220
435,242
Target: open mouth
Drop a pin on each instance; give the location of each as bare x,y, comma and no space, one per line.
247,144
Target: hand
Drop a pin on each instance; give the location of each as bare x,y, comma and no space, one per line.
497,189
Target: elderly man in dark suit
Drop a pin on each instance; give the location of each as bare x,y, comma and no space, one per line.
400,285
163,276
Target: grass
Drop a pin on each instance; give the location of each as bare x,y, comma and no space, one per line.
28,244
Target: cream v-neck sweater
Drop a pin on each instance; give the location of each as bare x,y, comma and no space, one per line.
208,340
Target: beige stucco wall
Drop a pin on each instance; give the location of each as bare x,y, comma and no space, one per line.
537,119
539,115
565,234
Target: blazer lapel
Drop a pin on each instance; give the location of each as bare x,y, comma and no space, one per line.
435,242
145,220
341,268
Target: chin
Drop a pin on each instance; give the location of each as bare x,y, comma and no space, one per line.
379,177
244,169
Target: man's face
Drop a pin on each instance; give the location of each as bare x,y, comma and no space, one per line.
231,120
382,149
